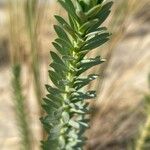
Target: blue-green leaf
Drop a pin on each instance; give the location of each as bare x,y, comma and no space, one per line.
96,41
88,25
60,49
69,7
50,144
74,124
93,11
103,14
79,96
105,11
56,58
61,33
99,1
50,102
86,64
70,29
81,82
53,90
49,109
59,68
54,78
65,117
55,98
64,43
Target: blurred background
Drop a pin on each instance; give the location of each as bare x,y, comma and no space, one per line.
26,33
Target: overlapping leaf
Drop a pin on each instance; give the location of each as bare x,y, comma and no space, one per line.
65,104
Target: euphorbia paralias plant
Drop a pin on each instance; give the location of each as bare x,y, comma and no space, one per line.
66,106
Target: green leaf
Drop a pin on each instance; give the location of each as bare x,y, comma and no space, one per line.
46,124
52,103
87,3
80,96
88,25
93,12
81,82
72,133
73,23
68,58
61,20
56,58
96,41
50,120
95,44
97,31
80,144
97,37
48,108
65,117
103,14
70,29
54,78
105,11
55,98
53,135
74,124
58,80
83,5
78,124
61,33
69,7
80,13
99,1
49,144
78,111
59,68
85,124
86,64
78,6
93,3
56,129
79,106
60,49
53,90
90,62
64,44
58,113
62,143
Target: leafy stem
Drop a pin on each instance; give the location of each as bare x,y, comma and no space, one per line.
66,106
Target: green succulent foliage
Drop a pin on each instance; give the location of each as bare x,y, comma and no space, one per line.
66,103
143,142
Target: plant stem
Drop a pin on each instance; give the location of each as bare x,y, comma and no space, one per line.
20,108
